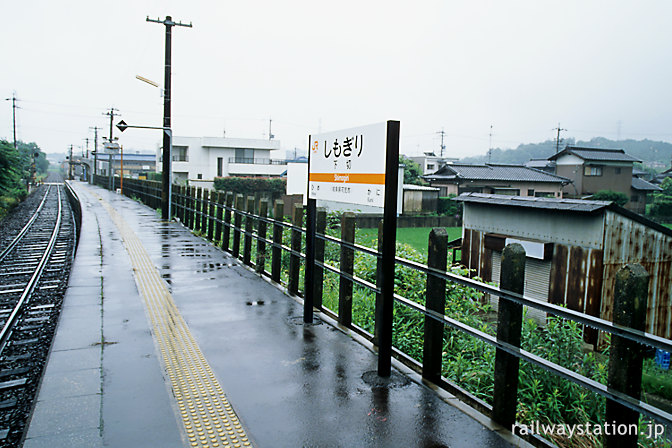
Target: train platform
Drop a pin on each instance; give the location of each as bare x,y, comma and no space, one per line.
166,341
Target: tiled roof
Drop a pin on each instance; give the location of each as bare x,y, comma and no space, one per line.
574,205
511,173
596,154
641,184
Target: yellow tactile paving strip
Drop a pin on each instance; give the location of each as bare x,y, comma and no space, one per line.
209,420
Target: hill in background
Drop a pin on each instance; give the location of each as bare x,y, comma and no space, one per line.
654,154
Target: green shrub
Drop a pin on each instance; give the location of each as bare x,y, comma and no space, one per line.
614,196
274,186
448,207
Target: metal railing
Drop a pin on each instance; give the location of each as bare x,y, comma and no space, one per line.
219,217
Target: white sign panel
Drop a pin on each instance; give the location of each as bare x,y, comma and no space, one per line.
349,165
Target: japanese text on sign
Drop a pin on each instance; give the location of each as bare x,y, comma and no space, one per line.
344,169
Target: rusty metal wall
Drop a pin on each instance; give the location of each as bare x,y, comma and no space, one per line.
627,241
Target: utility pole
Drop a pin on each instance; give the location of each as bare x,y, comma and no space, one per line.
490,146
87,148
270,134
111,114
442,145
70,164
558,140
95,150
165,190
13,100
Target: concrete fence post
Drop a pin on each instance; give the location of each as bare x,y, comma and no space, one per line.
218,221
204,211
237,221
261,233
226,237
197,209
276,260
295,259
320,229
249,227
435,300
211,215
378,312
509,325
626,356
347,263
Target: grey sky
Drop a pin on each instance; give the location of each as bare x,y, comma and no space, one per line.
521,66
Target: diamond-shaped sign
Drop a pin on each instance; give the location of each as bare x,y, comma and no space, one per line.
122,125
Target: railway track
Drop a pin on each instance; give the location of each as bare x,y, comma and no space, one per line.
34,271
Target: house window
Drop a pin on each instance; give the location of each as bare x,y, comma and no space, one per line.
199,176
530,192
244,155
220,166
592,171
618,171
544,194
506,191
180,154
430,166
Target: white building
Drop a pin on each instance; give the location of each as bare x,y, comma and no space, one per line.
204,158
430,162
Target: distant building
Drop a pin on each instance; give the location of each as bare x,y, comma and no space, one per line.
205,158
512,180
430,162
542,164
594,169
640,194
136,166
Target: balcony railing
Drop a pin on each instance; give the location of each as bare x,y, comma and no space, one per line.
252,161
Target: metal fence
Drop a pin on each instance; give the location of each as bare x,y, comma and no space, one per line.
232,221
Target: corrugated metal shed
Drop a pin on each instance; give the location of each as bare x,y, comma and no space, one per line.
589,242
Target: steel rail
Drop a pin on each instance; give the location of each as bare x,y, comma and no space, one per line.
23,231
13,317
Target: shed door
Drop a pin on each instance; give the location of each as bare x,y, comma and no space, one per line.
537,277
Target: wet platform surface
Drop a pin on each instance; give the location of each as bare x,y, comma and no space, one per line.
290,384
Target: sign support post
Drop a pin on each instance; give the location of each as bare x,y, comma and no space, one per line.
166,201
389,247
309,289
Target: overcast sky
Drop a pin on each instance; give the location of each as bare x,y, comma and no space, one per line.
599,68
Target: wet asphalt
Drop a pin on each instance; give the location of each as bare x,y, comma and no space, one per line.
291,384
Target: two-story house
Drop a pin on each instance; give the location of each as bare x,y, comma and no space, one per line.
430,162
204,158
595,169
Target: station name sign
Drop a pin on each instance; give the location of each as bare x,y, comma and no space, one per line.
349,165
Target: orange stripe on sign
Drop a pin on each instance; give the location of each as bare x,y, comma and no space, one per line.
349,178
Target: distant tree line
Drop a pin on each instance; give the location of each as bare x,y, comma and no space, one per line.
15,172
646,150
